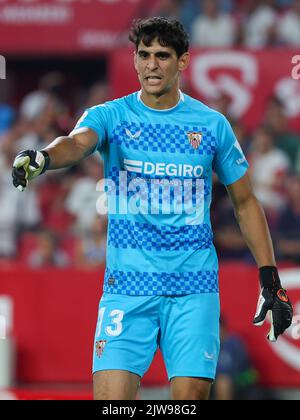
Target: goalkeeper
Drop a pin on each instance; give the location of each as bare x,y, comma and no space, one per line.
161,277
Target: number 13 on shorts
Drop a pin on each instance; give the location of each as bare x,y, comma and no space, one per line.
116,327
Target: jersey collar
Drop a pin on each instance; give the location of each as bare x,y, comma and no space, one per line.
180,102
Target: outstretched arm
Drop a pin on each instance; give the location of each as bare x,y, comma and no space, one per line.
62,152
67,151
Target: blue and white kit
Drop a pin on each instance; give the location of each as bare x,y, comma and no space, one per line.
158,167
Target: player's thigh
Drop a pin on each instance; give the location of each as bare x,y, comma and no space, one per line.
115,385
126,334
190,340
189,388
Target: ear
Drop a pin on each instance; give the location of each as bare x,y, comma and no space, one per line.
183,61
135,61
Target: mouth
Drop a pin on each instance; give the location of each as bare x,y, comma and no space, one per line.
153,80
153,76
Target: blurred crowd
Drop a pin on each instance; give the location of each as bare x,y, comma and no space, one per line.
273,152
232,23
55,223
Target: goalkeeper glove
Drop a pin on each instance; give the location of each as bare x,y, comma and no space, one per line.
27,165
273,299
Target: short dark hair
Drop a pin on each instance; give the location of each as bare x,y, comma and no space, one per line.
169,32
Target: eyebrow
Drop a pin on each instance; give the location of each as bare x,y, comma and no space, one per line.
165,53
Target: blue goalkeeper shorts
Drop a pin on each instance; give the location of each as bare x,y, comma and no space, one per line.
131,328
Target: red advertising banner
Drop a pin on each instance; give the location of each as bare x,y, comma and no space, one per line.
248,78
53,318
64,26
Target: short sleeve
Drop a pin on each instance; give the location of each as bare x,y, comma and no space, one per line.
95,119
229,163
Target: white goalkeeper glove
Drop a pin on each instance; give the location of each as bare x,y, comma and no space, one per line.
27,165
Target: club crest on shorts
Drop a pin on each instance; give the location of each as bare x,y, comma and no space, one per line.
100,344
195,138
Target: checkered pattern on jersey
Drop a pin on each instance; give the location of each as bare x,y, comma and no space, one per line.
162,138
135,235
166,284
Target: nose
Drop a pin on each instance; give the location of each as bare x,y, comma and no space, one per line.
152,63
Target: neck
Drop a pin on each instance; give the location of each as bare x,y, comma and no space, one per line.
164,101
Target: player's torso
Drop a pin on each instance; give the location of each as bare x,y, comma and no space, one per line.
158,168
175,148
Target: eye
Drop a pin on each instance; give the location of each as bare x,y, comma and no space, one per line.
163,55
142,54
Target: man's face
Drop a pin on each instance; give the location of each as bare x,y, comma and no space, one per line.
159,68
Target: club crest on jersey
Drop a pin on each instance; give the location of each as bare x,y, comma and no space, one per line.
100,344
194,138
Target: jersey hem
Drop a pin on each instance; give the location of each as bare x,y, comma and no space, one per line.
217,292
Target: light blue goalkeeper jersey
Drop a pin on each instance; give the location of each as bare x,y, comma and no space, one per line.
158,167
